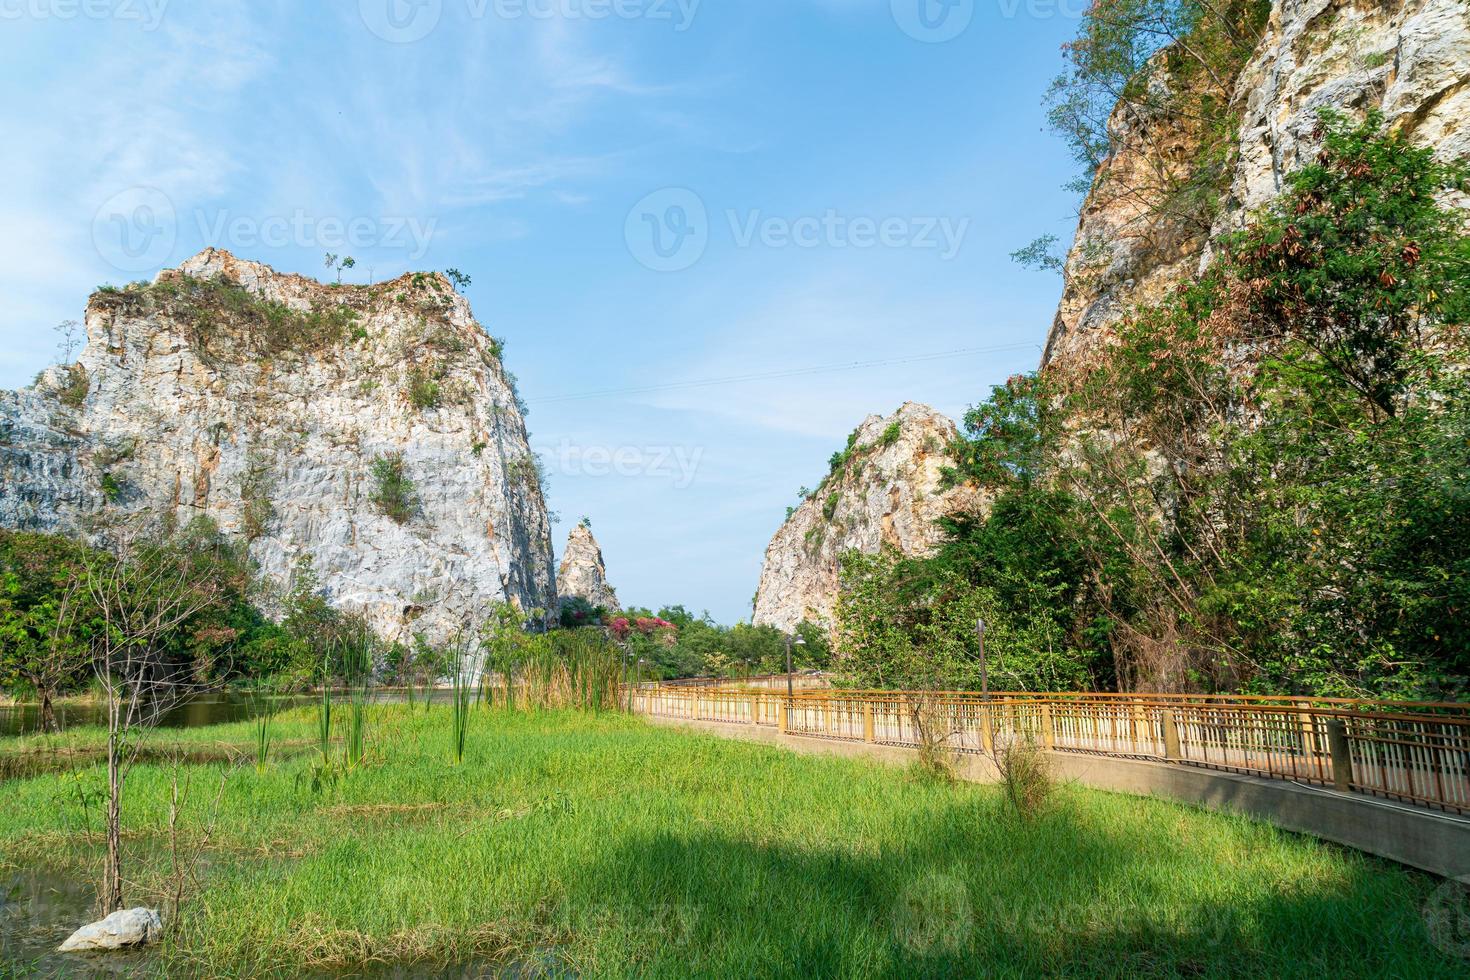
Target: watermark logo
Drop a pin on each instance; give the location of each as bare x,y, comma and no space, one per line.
934,915
134,230
933,21
668,230
147,13
401,21
1447,918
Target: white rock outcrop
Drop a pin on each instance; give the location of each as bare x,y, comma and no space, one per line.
122,929
887,492
582,574
264,401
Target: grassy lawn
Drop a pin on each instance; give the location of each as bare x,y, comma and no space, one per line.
603,846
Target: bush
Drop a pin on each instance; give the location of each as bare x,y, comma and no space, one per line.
73,391
226,318
423,390
1025,773
394,492
829,506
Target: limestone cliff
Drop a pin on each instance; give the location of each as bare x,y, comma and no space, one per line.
371,430
1409,58
582,574
885,490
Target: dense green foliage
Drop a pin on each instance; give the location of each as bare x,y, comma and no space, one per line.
674,643
48,623
1263,484
598,845
1138,71
1154,58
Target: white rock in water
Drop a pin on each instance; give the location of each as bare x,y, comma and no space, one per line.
126,927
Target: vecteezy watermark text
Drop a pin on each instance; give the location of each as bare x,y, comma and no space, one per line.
147,13
835,230
302,229
669,230
136,229
677,464
406,21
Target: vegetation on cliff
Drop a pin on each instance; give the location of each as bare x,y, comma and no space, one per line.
1140,74
1260,485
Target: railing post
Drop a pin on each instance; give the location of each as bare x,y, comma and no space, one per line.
1309,739
1342,756
755,710
987,737
1048,729
1143,736
1171,735
867,721
783,713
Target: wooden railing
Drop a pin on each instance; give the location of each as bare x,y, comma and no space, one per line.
1415,752
801,681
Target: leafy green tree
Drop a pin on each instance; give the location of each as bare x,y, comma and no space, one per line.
45,622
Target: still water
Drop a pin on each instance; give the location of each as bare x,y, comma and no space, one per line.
212,709
209,709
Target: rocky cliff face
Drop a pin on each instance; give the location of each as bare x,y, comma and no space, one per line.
885,491
283,409
582,574
1409,58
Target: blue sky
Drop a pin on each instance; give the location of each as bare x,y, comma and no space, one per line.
646,193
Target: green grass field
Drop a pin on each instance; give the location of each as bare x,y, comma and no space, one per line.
599,845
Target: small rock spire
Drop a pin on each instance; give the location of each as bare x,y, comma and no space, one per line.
582,574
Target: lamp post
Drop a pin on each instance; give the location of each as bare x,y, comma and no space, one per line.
799,641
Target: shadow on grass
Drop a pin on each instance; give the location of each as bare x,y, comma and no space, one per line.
974,893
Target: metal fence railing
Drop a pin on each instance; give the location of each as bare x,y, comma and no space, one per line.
1415,752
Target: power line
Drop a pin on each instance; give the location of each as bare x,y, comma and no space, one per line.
788,373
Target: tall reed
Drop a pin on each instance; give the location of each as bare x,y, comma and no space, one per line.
563,669
462,651
262,739
353,749
324,722
358,655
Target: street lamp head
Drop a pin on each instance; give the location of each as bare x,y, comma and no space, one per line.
800,640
